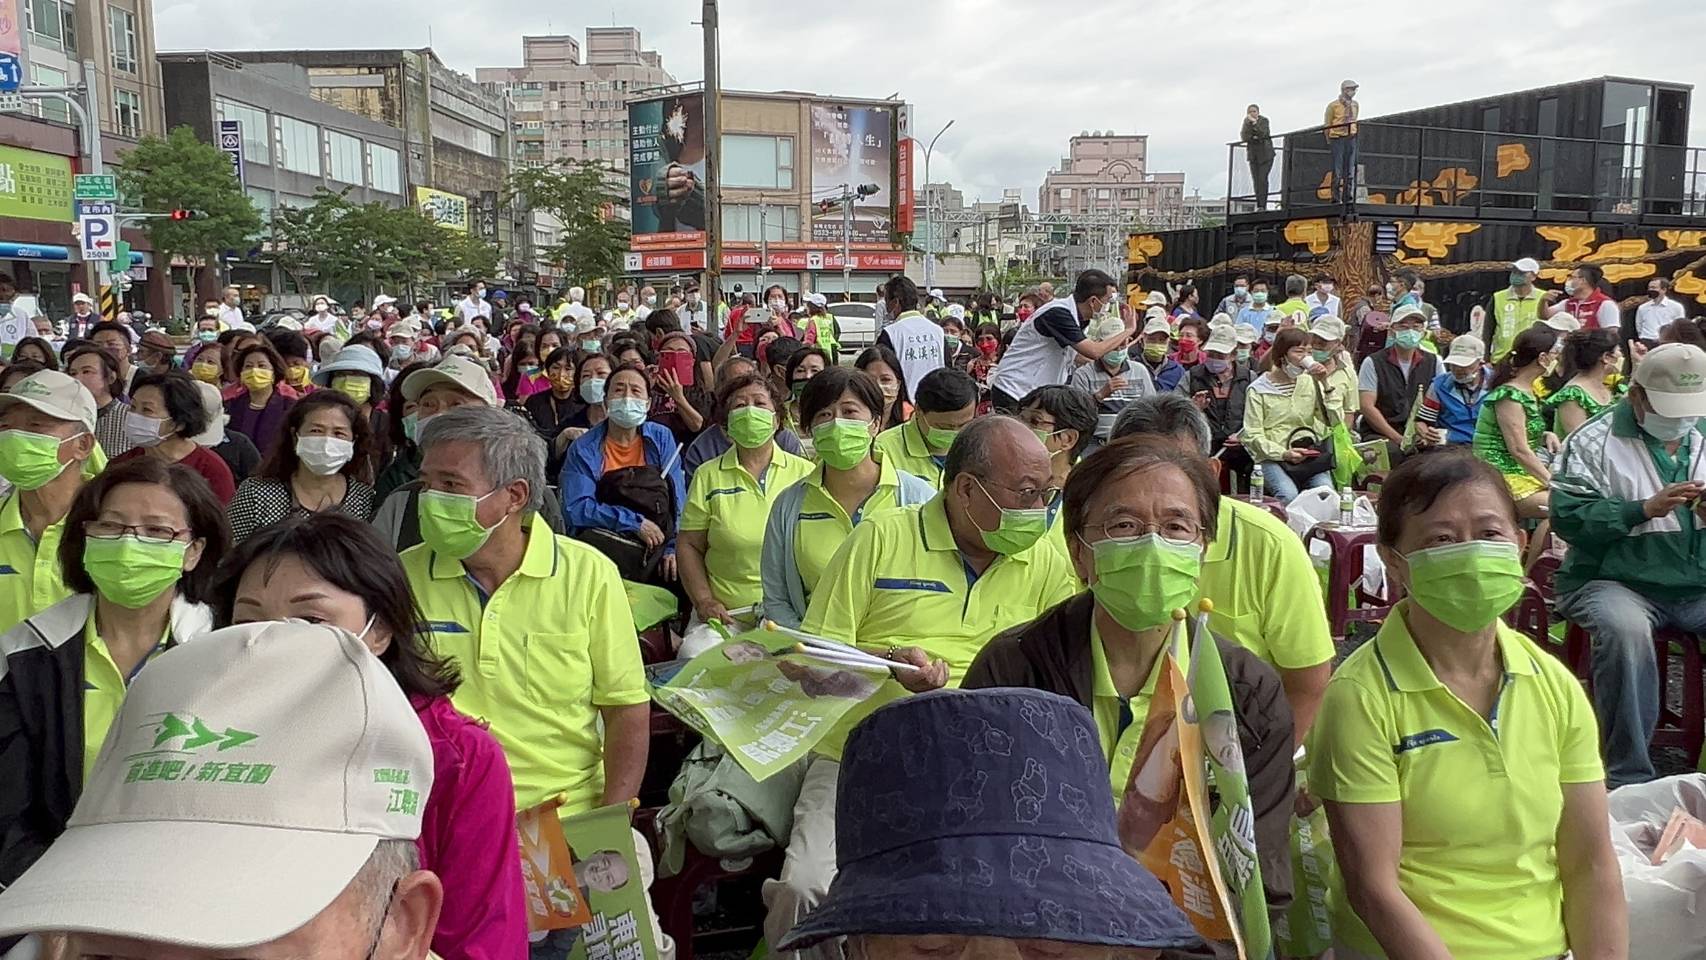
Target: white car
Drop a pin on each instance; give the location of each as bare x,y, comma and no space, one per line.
858,323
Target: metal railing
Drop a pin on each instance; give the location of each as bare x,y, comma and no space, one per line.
1484,172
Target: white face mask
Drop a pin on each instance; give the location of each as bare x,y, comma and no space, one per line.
1667,429
142,431
324,456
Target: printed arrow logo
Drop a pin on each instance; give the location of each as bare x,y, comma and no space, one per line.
197,734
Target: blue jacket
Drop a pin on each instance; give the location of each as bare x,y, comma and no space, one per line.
1457,417
584,465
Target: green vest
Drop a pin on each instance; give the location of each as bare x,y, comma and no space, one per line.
1511,316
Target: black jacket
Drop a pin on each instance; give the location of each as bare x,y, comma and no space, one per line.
1052,653
1225,416
41,724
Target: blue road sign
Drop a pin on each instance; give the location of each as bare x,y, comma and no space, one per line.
11,72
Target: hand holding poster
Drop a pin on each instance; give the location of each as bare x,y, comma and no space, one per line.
593,893
768,704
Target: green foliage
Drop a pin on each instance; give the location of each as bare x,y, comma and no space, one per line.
1013,279
371,247
582,195
182,172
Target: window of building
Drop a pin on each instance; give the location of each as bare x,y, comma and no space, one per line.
127,113
298,146
385,170
1066,193
46,107
741,222
255,126
766,163
68,27
345,153
122,26
44,20
261,199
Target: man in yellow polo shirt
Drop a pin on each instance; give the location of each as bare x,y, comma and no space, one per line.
947,576
47,432
538,624
946,401
1266,596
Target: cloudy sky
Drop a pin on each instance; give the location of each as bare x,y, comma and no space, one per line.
1019,77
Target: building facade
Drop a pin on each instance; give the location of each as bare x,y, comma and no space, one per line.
117,37
570,107
294,145
1105,173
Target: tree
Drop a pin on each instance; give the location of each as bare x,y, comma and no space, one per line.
1013,279
181,172
371,248
582,195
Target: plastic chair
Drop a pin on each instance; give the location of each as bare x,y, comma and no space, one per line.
1683,727
1344,574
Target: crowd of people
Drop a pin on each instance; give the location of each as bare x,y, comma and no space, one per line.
990,496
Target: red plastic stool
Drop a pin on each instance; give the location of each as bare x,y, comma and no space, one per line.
672,897
1344,573
1685,729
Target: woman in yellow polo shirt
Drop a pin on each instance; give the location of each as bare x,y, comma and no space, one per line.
140,547
842,409
722,526
1459,761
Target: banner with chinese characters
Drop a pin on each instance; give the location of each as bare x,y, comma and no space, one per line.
445,209
35,185
853,146
554,900
667,151
768,704
601,847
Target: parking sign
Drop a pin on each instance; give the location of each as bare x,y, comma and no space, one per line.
97,229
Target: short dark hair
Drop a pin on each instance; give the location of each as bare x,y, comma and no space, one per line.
902,291
110,326
800,356
1591,273
662,320
1410,277
944,389
1284,342
351,554
206,517
1091,283
727,390
1133,454
289,343
109,366
826,388
394,404
1324,278
1413,487
1525,349
266,349
622,343
780,350
281,463
557,356
1071,408
586,358
1167,415
19,370
182,399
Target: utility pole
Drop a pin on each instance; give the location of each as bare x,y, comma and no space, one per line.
846,242
713,154
929,211
763,241
83,100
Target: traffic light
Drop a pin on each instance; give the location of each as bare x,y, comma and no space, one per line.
189,214
825,206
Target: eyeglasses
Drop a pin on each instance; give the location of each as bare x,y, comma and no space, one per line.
1174,530
108,530
1029,496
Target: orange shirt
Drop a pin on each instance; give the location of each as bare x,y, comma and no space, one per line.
618,455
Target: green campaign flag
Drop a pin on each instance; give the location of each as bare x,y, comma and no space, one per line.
768,704
650,605
601,846
1233,828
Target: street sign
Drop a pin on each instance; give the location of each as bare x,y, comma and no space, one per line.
95,186
11,71
97,230
814,260
122,281
11,103
231,144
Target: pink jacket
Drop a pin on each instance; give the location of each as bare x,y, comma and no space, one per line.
468,838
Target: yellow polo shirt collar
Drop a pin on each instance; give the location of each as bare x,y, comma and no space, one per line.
1406,670
538,560
29,568
1118,746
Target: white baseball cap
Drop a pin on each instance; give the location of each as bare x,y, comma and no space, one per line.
82,298
1564,323
956,311
817,299
1467,350
1673,376
1407,311
1155,299
1328,328
1526,265
1155,312
217,418
459,372
936,293
245,782
408,327
1222,340
1220,320
1157,325
1246,333
56,395
381,301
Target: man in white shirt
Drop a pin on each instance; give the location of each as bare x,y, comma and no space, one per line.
1323,296
1659,312
231,311
474,304
648,302
915,338
1043,349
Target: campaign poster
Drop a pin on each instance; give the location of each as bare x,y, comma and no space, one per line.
853,146
666,169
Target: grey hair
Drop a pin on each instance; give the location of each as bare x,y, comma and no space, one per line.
374,883
510,449
973,449
1163,415
1295,285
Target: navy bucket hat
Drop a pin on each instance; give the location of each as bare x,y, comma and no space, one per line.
985,813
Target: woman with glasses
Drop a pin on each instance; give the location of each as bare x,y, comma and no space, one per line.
140,546
1138,515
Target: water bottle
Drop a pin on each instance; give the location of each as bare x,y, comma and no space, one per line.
1256,483
1347,506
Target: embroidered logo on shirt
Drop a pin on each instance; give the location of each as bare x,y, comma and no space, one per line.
446,626
6,569
1426,738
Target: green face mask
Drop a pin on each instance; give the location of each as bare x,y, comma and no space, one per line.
842,444
449,524
1467,585
411,424
1321,356
1140,581
1408,339
30,460
939,438
751,427
1018,530
133,572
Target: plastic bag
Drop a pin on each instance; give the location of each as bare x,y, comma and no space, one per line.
1667,903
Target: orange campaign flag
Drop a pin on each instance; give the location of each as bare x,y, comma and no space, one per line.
554,900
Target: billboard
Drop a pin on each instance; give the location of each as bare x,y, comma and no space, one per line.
445,209
853,145
666,169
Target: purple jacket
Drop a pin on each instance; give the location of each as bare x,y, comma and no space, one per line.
468,838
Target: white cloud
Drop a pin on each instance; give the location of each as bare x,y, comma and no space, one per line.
1019,77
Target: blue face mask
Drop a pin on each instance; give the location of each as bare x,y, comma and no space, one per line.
1115,358
1407,339
628,412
